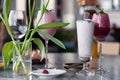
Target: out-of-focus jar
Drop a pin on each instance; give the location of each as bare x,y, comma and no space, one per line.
88,11
87,8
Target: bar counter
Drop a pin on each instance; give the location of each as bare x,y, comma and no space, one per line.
111,64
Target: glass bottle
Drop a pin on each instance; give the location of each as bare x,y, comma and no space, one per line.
87,8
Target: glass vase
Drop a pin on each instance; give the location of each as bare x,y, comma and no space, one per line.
22,59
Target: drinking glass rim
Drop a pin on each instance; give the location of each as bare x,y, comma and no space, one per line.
84,20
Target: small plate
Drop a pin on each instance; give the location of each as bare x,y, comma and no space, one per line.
52,73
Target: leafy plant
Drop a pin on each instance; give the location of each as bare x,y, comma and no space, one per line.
10,47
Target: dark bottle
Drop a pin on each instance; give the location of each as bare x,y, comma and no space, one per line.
88,12
87,8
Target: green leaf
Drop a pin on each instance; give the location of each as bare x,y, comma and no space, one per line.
101,10
53,39
52,25
7,52
6,7
40,44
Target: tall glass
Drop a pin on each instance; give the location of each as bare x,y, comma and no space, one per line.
85,29
48,17
18,23
101,30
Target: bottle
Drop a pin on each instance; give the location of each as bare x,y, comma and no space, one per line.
93,64
87,8
95,49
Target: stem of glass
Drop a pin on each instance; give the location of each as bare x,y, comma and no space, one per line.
100,58
85,67
85,64
46,52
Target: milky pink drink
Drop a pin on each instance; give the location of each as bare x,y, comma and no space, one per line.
85,29
48,17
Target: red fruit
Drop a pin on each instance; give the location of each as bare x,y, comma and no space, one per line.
45,71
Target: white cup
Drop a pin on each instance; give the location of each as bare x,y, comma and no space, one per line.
85,30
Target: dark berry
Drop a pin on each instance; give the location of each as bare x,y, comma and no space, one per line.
45,71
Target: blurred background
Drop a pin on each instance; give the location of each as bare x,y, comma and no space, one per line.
69,11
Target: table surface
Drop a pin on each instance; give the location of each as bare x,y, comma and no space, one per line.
110,63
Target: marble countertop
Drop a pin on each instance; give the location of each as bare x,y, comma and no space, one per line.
110,63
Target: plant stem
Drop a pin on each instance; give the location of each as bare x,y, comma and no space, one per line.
17,63
43,10
20,59
16,66
31,11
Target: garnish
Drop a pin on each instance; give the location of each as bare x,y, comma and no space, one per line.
45,71
101,10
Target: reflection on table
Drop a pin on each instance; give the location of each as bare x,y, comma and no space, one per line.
110,63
